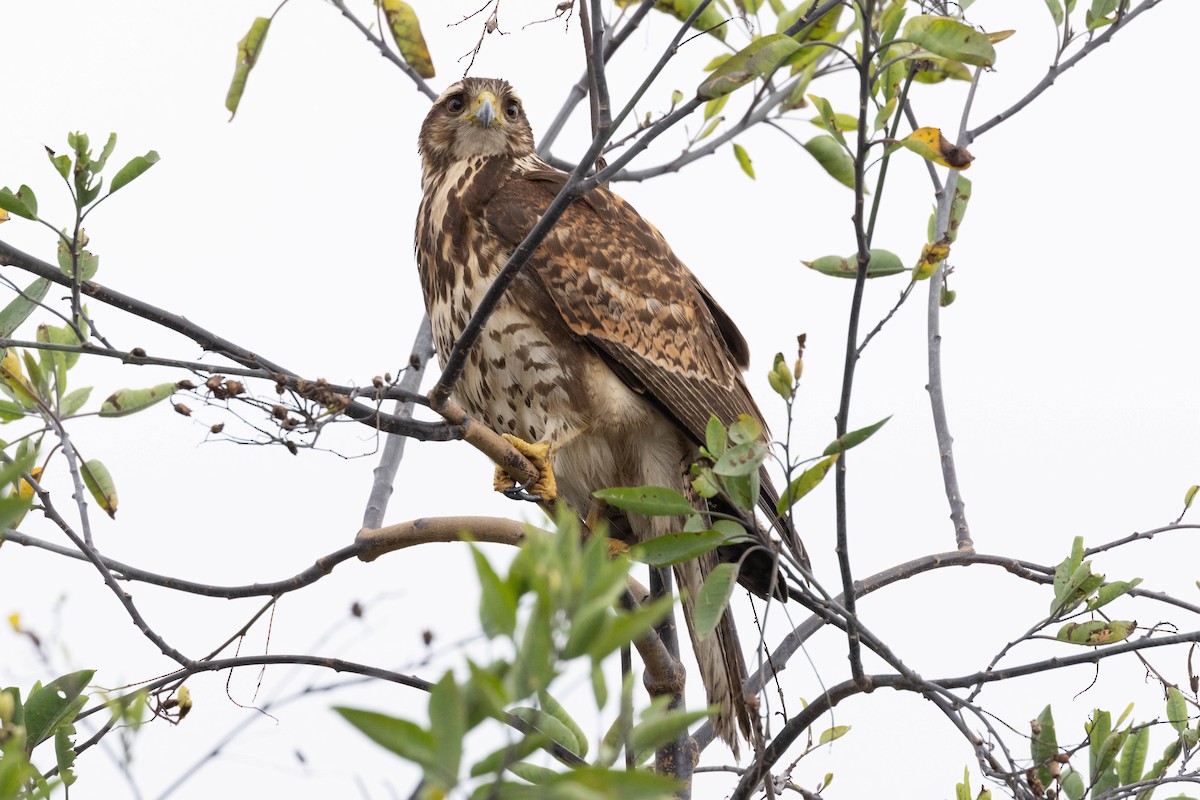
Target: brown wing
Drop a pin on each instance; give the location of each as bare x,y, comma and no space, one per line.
615,281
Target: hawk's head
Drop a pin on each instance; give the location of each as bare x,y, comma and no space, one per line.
476,117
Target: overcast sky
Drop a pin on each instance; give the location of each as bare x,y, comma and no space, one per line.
1069,357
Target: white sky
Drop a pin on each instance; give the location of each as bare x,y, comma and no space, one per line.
1069,359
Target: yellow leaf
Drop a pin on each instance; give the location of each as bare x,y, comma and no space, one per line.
25,492
929,143
10,373
14,621
406,32
932,254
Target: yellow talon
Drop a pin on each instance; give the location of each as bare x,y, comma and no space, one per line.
538,454
616,547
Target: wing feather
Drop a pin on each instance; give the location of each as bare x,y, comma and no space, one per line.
615,281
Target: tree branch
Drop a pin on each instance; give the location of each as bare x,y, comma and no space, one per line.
384,475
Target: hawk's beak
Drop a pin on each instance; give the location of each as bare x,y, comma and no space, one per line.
485,109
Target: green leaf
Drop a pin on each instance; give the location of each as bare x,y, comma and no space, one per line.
745,429
882,264
1188,496
716,438
705,483
13,509
1095,633
655,501
628,626
827,119
62,164
64,753
1111,591
553,728
662,727
761,57
836,732
14,204
1073,785
804,483
22,306
1056,11
711,20
713,107
130,401
951,39
713,597
1043,745
884,114
743,459
133,169
823,27
1133,756
406,33
599,783
554,708
958,207
936,70
675,548
10,411
709,128
497,603
74,401
248,50
405,739
98,164
508,755
743,159
833,158
842,122
89,263
853,438
1177,713
1098,730
100,483
448,726
53,704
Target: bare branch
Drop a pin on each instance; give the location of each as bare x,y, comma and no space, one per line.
393,447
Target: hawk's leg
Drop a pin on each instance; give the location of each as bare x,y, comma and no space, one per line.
595,518
543,488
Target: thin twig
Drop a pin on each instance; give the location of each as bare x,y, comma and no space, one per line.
851,358
384,475
386,51
937,398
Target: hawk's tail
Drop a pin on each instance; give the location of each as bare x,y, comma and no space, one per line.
719,656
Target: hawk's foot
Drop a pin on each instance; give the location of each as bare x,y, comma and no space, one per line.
542,488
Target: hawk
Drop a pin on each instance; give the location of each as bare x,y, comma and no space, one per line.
606,350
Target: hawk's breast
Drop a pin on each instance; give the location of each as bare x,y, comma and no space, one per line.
524,374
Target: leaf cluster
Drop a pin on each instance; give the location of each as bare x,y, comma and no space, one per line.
559,602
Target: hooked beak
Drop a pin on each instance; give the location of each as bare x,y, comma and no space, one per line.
485,109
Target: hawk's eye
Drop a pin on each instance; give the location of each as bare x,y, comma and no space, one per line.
512,109
456,104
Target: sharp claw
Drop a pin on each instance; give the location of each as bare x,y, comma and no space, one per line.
520,493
